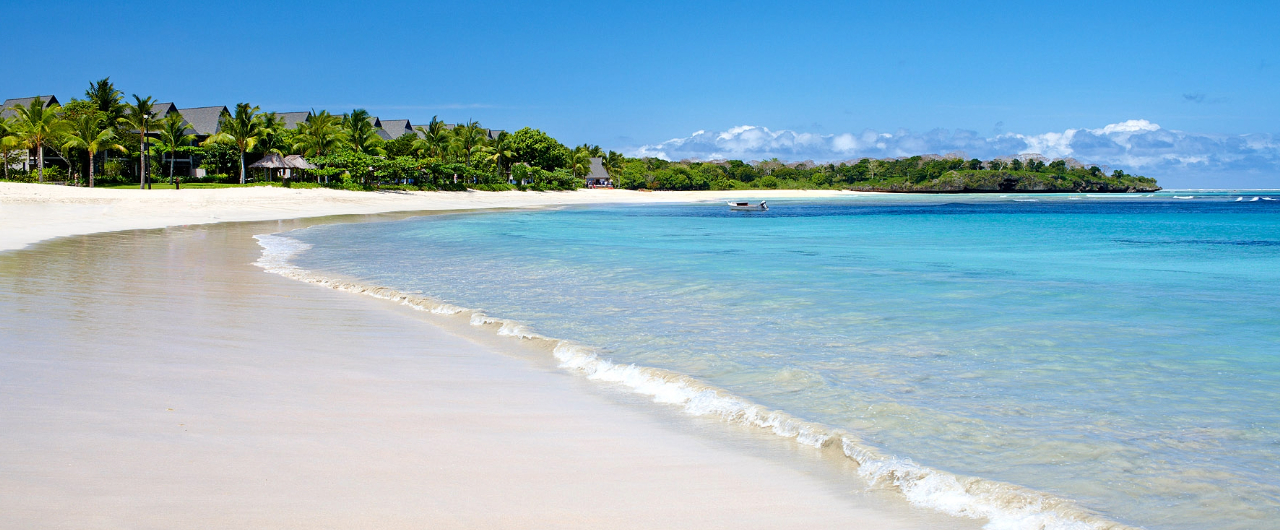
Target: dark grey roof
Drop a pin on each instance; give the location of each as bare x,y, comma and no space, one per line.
597,170
493,134
292,120
161,110
396,128
203,121
8,112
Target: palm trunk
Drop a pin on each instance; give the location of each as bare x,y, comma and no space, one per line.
90,169
39,161
242,166
171,179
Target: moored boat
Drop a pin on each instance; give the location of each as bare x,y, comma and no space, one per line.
744,205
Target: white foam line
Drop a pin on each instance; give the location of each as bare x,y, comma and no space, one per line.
1005,506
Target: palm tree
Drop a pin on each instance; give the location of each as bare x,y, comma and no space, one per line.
581,162
38,125
89,133
319,135
244,128
141,118
271,142
10,141
358,131
106,99
435,139
498,154
613,163
467,138
172,135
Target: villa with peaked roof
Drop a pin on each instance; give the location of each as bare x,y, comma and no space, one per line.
292,120
162,110
203,121
599,176
392,129
8,112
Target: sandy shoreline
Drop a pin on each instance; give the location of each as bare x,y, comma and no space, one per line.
156,379
36,212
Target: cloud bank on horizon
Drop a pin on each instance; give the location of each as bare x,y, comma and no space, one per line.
1138,146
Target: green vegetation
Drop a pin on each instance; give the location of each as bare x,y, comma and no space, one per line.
349,152
914,174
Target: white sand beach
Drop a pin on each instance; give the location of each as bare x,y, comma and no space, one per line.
35,212
157,379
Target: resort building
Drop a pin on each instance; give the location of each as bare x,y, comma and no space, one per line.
204,122
292,120
392,129
598,177
7,112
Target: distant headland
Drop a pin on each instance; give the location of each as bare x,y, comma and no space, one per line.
916,174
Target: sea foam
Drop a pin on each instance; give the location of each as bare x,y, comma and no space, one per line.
1004,506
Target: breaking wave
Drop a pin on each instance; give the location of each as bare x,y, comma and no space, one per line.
1005,506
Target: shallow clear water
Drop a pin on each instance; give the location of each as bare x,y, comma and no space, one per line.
1123,352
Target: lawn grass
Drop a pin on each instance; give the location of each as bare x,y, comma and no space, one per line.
192,185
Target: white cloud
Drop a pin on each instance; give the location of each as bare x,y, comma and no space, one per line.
1137,146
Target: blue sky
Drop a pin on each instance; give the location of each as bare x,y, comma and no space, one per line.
741,79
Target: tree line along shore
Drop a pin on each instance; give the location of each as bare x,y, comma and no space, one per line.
105,139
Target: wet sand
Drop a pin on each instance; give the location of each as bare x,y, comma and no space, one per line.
156,379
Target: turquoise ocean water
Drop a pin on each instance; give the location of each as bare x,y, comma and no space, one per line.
1119,352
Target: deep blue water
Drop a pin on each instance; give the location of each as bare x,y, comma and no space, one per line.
1122,352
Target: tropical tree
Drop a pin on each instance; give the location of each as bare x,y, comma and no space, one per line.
104,97
173,135
141,117
10,141
613,163
469,139
244,129
89,132
37,125
320,135
359,134
435,139
538,149
272,134
500,154
581,163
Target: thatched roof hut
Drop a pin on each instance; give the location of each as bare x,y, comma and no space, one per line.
271,161
297,162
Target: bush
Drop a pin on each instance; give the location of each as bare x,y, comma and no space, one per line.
493,187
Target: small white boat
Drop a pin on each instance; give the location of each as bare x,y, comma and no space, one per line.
1238,199
1267,199
1184,196
1253,199
744,205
